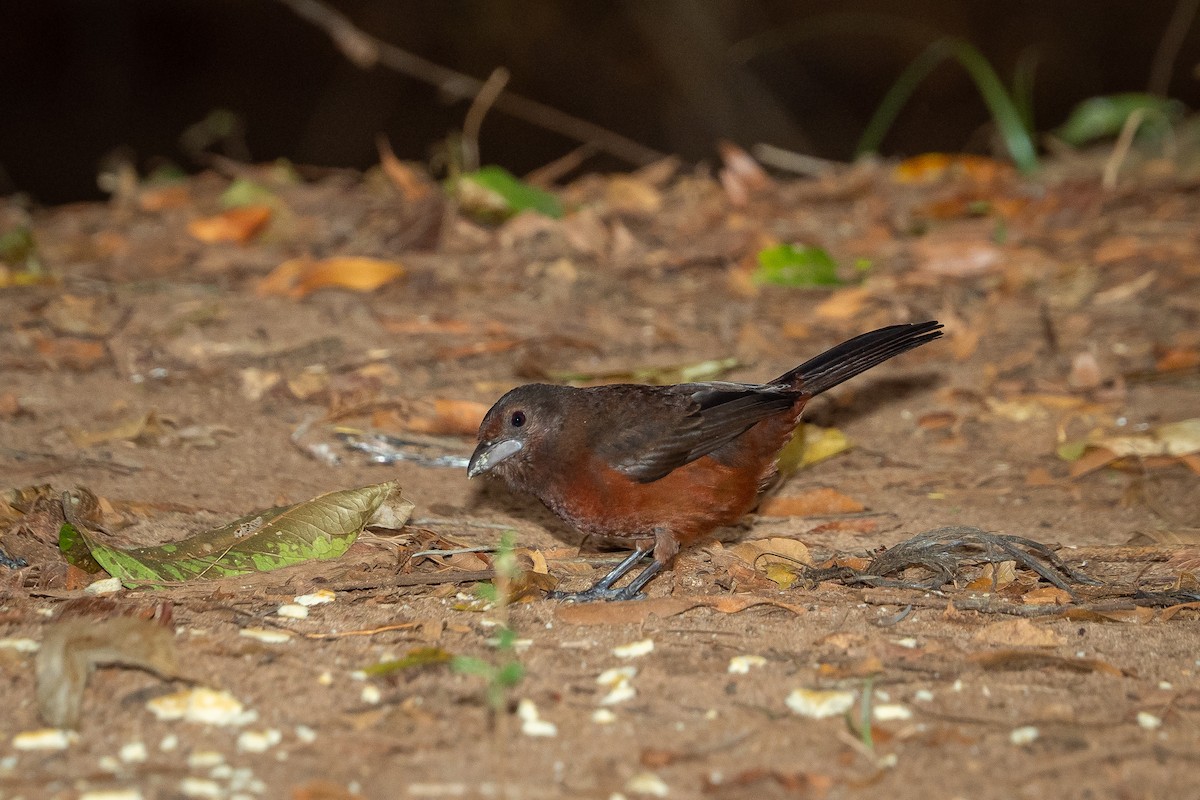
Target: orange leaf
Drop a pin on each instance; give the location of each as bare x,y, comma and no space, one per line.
843,304
298,277
811,503
238,225
1092,460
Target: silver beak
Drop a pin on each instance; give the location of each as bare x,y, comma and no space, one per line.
488,454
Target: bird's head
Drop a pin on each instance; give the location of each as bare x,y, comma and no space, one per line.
516,430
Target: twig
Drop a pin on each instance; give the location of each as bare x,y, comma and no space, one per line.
791,161
484,100
1169,44
1121,148
366,51
362,632
415,580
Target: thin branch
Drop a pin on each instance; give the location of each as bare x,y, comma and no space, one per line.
366,51
1168,47
473,122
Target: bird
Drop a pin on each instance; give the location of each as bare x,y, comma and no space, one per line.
660,467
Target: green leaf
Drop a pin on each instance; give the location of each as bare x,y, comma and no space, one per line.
788,265
1102,117
75,550
417,657
495,193
1072,451
243,192
469,665
317,529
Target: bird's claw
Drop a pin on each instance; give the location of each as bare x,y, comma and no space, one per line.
606,594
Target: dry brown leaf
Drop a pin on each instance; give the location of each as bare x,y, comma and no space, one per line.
72,650
148,426
1178,359
626,194
77,354
1047,595
843,304
152,199
321,789
1017,633
640,610
447,417
814,502
934,167
759,553
413,184
238,225
993,577
850,525
299,277
420,325
741,176
1093,459
10,406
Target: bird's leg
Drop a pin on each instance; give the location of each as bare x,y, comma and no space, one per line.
602,590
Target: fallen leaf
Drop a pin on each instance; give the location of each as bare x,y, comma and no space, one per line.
66,351
993,577
814,502
298,277
72,650
238,225
630,195
317,529
760,552
740,176
493,193
148,428
809,445
796,266
932,167
414,185
1047,595
1017,633
843,304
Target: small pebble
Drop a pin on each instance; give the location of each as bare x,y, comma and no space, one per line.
740,665
634,649
1027,734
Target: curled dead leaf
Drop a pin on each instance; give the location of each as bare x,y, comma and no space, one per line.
298,277
814,502
238,225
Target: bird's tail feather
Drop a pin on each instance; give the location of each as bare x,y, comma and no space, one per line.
842,362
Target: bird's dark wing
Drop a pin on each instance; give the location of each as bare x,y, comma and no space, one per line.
663,428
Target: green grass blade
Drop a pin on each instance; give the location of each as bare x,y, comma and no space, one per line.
1004,111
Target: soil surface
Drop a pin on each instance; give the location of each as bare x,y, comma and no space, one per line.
160,373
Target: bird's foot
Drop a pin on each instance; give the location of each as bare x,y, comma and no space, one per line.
598,593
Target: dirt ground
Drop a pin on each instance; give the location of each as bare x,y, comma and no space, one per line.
160,373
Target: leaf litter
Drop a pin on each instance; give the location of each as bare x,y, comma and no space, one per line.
647,269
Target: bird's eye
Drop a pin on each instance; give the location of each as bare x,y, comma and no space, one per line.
518,419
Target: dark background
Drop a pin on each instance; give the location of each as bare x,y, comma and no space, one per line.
82,79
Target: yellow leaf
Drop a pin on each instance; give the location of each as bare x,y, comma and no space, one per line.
298,277
238,225
809,445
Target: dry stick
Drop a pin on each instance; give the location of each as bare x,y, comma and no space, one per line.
366,51
484,99
1121,148
1168,46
